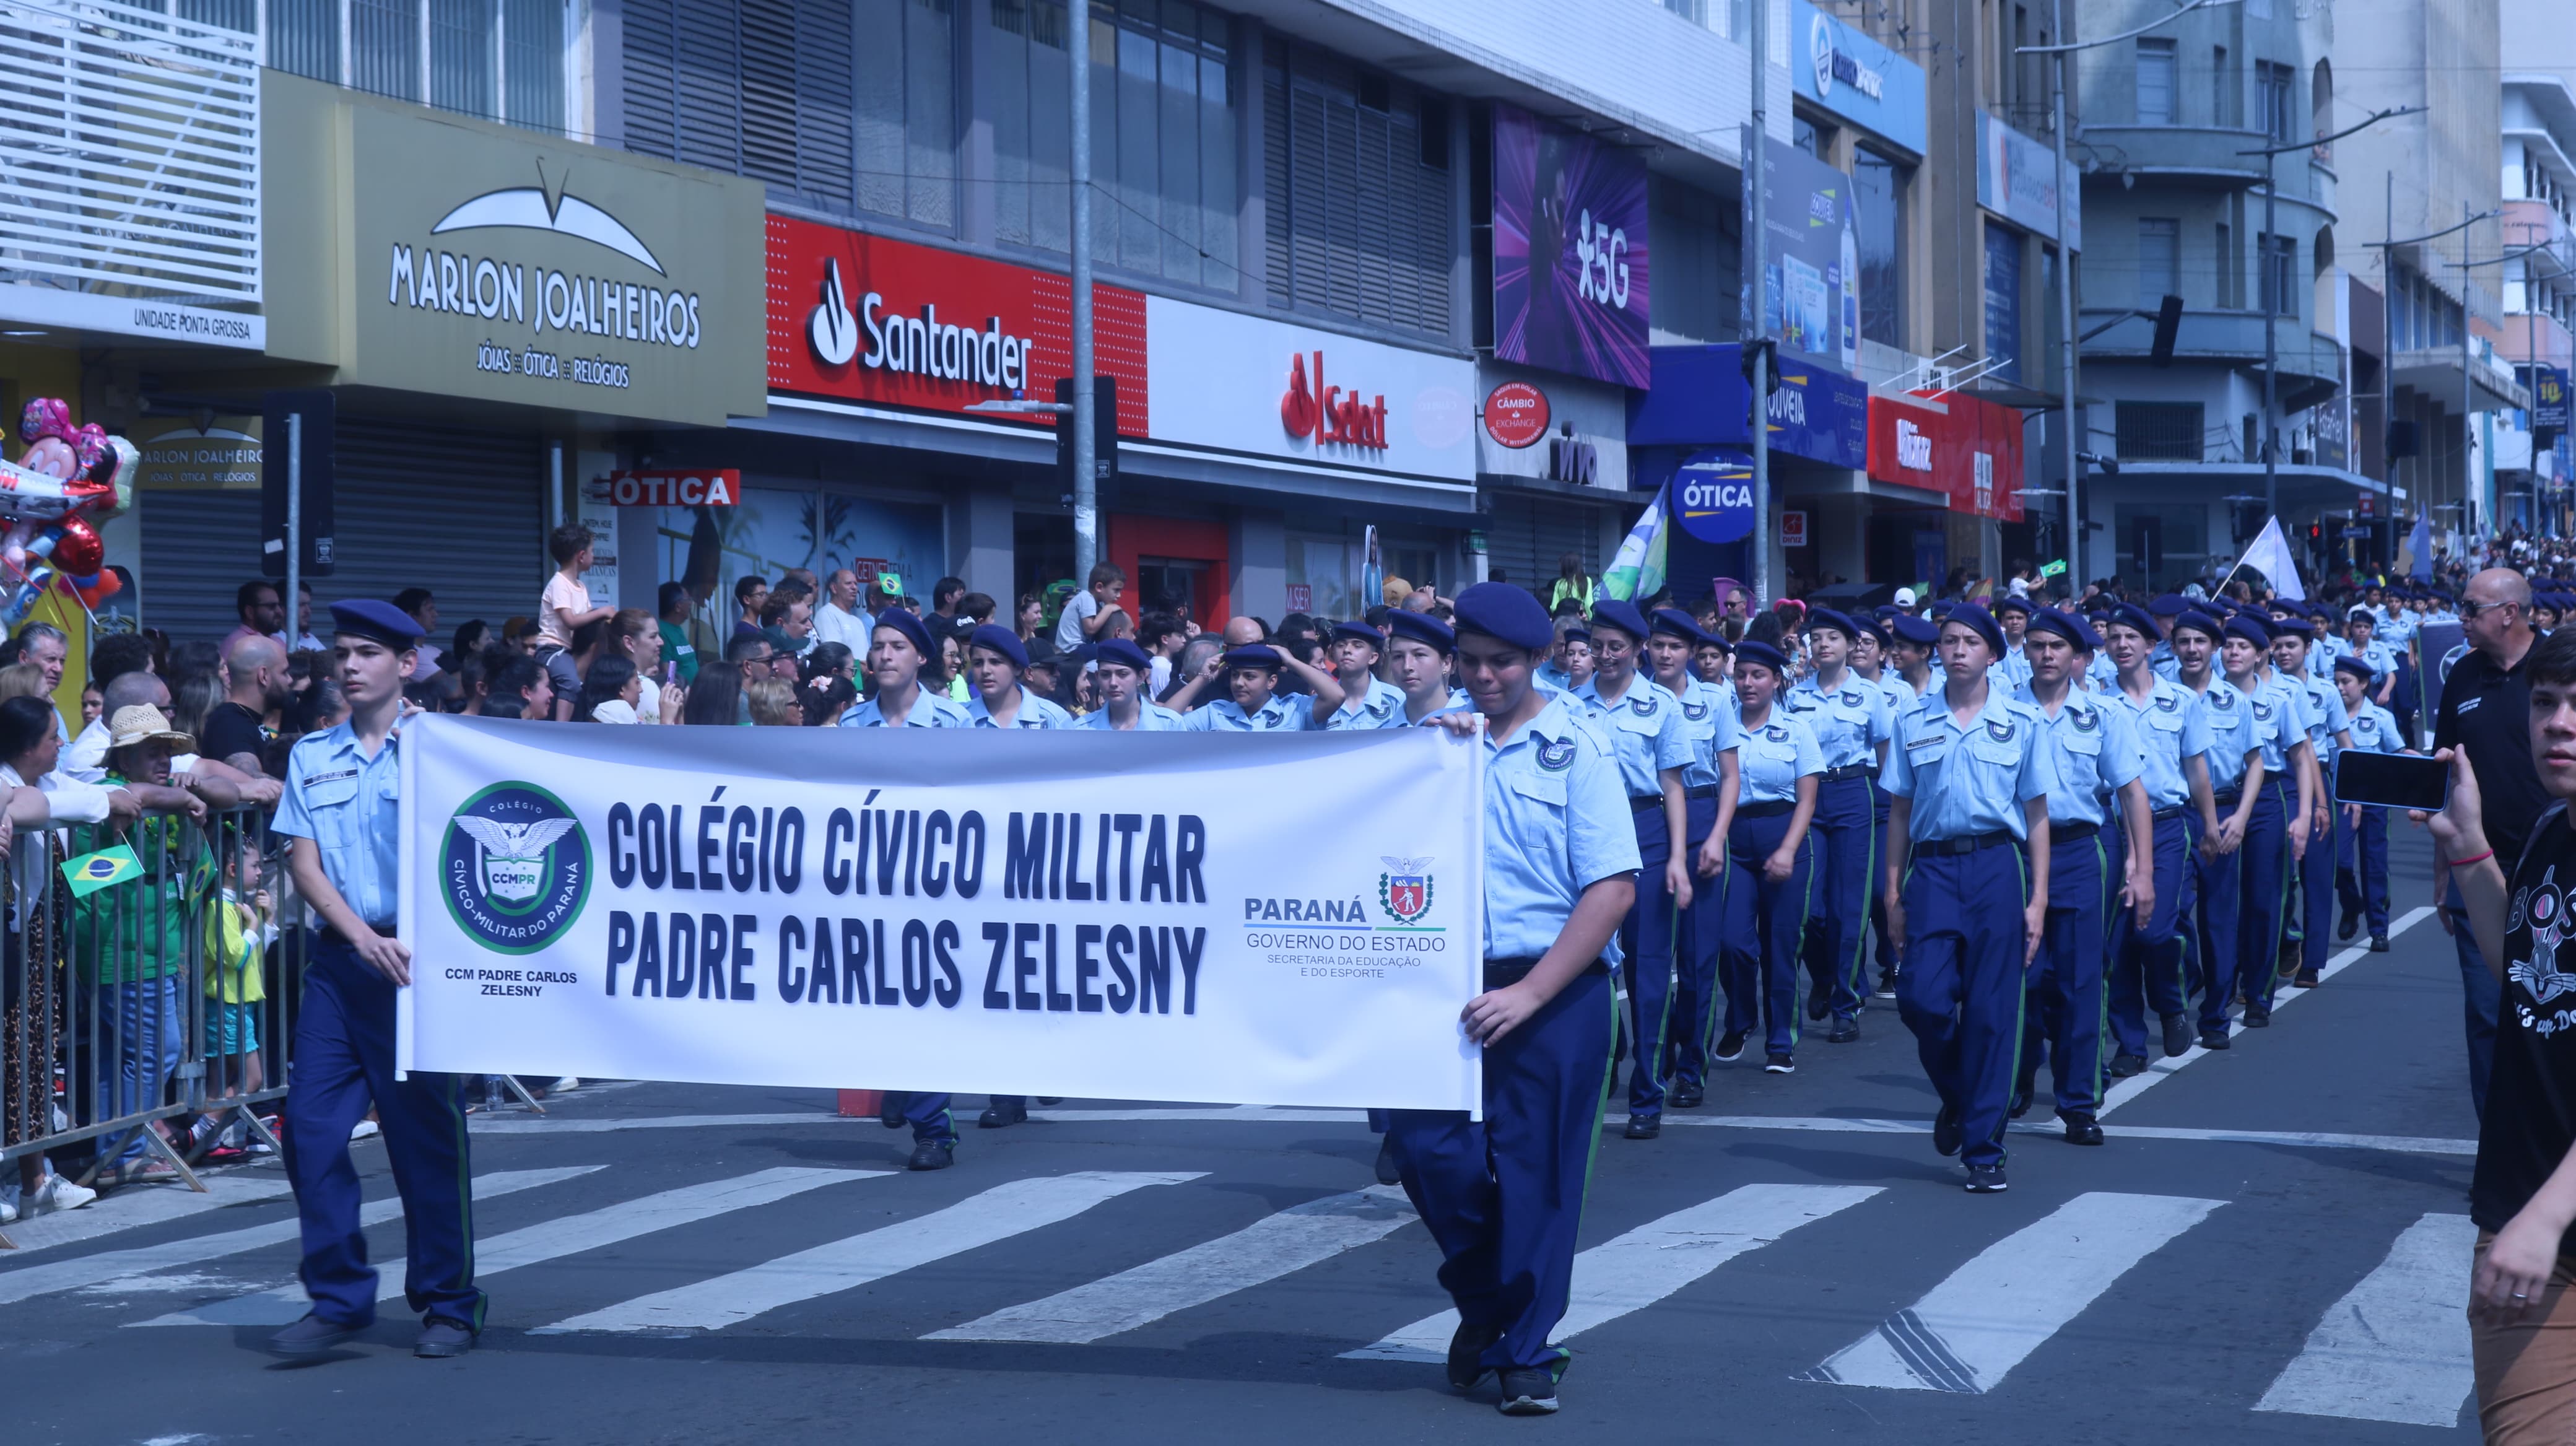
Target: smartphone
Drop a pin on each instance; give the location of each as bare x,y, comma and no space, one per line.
2391,780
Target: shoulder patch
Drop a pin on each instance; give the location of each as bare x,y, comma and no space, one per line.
2222,700
1642,705
1556,755
2168,702
1777,733
2086,721
1999,730
1694,711
2262,710
1851,698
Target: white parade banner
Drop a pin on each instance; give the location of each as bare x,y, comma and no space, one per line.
1226,918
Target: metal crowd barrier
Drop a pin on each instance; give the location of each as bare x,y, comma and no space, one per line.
148,1018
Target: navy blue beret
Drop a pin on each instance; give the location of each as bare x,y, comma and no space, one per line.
2199,622
1941,610
1979,621
1123,652
2064,625
1003,641
376,619
1675,623
1508,614
1911,629
2171,605
1764,654
2130,615
1621,615
2252,627
2354,666
1255,655
1872,627
2295,628
1424,628
1360,633
2011,602
1830,618
911,628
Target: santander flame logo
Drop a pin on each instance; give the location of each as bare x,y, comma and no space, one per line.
1328,413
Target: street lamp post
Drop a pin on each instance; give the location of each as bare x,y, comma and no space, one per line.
1756,170
1086,481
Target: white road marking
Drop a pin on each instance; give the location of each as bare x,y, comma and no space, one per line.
107,1265
1263,1251
2396,1347
138,1205
846,1264
2302,1139
546,1240
1257,1114
1651,1262
1992,1312
2123,1091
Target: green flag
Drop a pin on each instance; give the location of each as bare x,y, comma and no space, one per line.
92,872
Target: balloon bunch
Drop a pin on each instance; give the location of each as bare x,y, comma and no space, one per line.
68,478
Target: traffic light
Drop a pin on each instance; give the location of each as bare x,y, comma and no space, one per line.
1760,357
2168,327
1104,440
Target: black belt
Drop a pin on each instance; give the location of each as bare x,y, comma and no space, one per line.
1705,790
2058,831
2229,799
336,937
1503,973
1946,847
1848,770
1640,802
2177,811
1772,809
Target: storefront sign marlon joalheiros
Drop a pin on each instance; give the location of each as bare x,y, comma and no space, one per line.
491,263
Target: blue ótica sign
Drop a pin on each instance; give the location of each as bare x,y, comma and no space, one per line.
1699,399
1712,494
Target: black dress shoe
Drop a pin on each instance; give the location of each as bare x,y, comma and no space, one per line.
1730,1046
890,1108
2257,1017
1466,1353
1819,1004
2347,926
2082,1130
312,1336
1002,1117
2123,1066
442,1340
1387,1174
2307,979
2215,1039
2177,1035
1985,1179
1844,1033
1645,1127
1947,1133
2378,943
2021,1094
933,1155
1050,1101
1688,1097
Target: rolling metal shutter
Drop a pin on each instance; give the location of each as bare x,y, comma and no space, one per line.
458,511
1524,537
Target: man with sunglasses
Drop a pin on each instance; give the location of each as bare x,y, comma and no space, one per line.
2486,713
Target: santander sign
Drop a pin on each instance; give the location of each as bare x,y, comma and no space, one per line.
1328,413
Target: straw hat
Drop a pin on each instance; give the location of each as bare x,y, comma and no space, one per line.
143,723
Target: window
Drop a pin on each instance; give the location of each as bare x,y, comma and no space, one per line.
2222,88
1815,140
1358,202
304,38
2321,106
1694,239
2158,431
498,59
2003,301
2280,262
903,91
2230,295
384,47
2159,259
2272,85
2156,83
1878,193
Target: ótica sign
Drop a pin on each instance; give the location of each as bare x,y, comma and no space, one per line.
1712,494
1516,414
678,487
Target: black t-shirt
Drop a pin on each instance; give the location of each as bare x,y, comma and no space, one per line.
230,729
2487,710
2531,1101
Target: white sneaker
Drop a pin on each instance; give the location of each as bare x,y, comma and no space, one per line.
564,1086
58,1193
364,1129
8,1212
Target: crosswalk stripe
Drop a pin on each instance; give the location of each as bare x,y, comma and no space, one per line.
134,1207
1651,1262
535,1244
846,1264
1263,1251
117,1265
1995,1310
2396,1347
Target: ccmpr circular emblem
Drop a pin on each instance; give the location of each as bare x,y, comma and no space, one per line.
514,868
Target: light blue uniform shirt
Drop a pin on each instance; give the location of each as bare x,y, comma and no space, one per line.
2325,720
1150,718
1551,678
1035,712
2379,655
350,805
1899,693
1849,722
2281,721
2094,747
1708,720
1556,823
1770,760
2170,727
929,710
2374,730
2233,733
1972,780
2101,675
1644,729
1382,706
2013,668
1279,715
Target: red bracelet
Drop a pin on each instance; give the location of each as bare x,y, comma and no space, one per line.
2473,859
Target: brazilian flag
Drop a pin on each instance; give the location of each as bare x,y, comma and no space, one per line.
92,872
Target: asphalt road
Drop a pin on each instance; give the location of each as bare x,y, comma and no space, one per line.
2272,1247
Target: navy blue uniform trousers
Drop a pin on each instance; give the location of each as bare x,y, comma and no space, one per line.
2264,911
2316,894
1646,943
1697,940
2361,866
1766,924
931,1118
1962,986
2067,981
2147,964
1504,1198
1846,824
2219,884
344,1060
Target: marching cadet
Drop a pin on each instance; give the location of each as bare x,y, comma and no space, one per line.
1417,658
342,810
1643,723
2329,732
1851,721
1708,792
1909,655
1869,659
2361,640
1768,859
1125,673
1967,885
2361,831
1560,674
2172,730
2095,752
2012,669
2276,839
2236,772
995,661
1504,1197
1368,701
2167,610
1251,675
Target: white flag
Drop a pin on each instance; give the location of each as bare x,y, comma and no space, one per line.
2270,556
